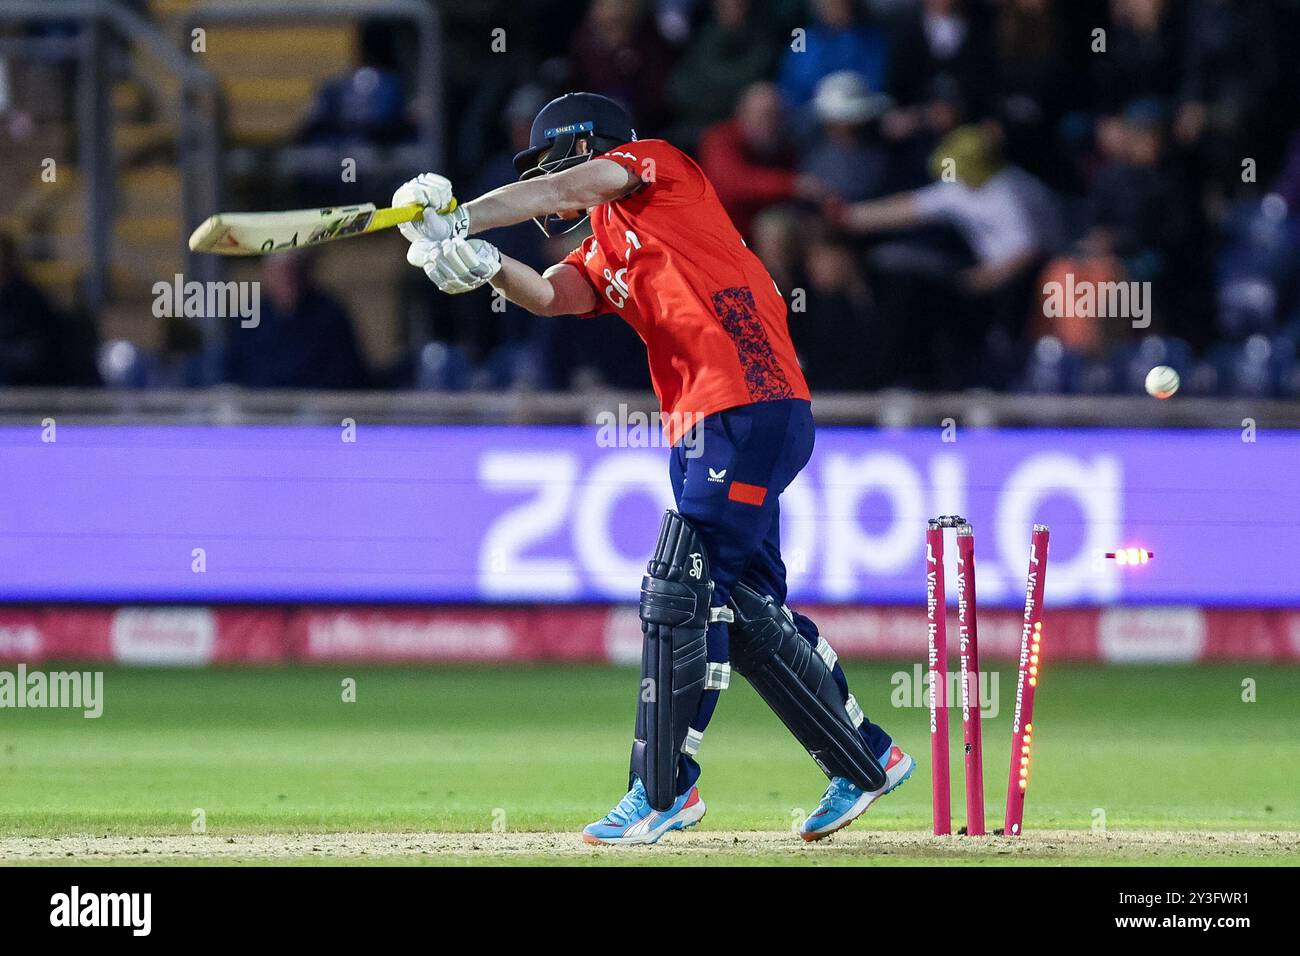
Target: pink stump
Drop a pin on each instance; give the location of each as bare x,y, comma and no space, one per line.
937,641
1022,719
968,651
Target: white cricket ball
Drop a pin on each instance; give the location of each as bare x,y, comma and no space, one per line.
1162,382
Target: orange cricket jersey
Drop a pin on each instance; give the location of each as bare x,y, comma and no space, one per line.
669,262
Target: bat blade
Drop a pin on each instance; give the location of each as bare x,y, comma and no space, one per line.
259,233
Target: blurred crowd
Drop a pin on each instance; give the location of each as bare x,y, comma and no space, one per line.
914,173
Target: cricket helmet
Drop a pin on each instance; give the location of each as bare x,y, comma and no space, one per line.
553,141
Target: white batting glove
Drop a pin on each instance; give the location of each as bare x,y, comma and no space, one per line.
442,218
456,265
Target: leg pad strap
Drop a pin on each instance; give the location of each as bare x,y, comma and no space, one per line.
797,683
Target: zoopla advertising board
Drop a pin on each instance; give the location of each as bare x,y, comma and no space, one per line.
526,514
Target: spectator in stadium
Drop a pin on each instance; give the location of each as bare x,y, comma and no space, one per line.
1141,58
1230,64
729,52
913,132
1033,82
837,39
1079,333
836,329
619,52
180,360
943,39
778,242
999,209
303,339
1137,210
366,105
751,158
478,77
1008,220
31,346
846,155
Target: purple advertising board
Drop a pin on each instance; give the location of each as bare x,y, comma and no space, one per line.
523,514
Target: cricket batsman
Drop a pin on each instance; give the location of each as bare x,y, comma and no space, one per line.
666,258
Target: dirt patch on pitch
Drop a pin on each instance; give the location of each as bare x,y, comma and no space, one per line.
501,847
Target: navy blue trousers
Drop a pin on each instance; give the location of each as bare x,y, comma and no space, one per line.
728,476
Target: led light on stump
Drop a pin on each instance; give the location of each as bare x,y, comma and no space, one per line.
1131,555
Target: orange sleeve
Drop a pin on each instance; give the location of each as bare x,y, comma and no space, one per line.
663,168
577,258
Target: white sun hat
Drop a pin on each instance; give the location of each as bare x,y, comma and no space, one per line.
845,97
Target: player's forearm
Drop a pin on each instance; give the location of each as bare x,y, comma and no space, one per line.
516,202
560,292
580,188
523,286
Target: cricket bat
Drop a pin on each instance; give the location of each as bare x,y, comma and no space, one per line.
258,233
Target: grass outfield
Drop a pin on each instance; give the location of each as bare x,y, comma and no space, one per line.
282,769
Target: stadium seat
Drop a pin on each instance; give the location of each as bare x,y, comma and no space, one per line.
122,365
441,367
1052,368
1252,367
1258,257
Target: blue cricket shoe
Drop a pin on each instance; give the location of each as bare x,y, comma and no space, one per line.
843,802
634,821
